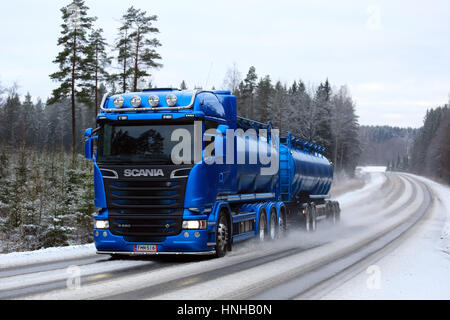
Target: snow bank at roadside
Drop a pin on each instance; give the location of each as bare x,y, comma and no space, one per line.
372,169
376,179
17,259
443,194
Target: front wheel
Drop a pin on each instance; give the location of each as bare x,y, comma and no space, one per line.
222,236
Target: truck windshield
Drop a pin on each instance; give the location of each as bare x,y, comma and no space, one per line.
120,143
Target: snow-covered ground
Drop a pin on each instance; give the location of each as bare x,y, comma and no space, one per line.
17,259
419,268
372,169
376,179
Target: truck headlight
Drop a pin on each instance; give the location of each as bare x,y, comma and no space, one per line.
101,224
194,224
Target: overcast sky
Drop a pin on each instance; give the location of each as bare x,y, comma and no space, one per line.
394,56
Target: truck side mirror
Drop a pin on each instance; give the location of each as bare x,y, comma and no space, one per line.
89,144
88,133
88,149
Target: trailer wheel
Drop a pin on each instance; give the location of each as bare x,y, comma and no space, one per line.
222,235
273,225
330,213
262,226
282,224
333,213
311,221
337,212
313,217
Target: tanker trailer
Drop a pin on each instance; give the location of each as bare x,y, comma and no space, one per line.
177,172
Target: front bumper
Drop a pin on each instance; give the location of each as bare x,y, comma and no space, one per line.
185,243
203,253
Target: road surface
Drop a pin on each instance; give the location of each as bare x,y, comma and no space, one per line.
377,219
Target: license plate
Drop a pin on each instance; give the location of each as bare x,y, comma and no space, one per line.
145,248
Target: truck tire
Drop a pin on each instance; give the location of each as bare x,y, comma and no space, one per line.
222,235
282,224
311,218
330,213
273,227
337,211
262,227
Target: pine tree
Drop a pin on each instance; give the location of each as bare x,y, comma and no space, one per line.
72,59
298,107
11,113
248,91
240,100
97,61
344,131
28,121
263,100
280,102
137,47
323,117
293,89
123,46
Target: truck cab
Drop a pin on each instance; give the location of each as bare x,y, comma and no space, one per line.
150,196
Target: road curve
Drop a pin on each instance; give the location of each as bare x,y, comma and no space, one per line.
299,266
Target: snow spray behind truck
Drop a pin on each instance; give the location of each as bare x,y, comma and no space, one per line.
177,172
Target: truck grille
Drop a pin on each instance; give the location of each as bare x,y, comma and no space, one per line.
145,207
145,194
128,225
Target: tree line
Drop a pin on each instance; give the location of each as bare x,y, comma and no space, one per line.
424,151
430,154
320,115
46,196
386,146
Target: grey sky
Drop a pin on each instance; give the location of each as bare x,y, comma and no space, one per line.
393,55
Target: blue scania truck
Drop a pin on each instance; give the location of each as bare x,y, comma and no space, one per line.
160,188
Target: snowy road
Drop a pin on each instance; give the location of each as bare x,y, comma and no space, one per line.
390,212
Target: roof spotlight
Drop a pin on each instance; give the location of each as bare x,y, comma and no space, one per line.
153,101
171,100
118,102
136,101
